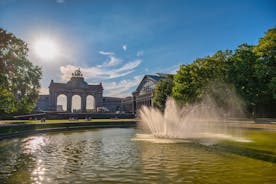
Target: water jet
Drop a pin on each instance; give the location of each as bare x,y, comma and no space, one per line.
195,121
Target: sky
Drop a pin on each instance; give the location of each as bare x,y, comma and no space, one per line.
117,42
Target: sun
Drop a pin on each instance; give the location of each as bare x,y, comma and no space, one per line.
46,48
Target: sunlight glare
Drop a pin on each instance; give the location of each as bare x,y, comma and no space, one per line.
46,48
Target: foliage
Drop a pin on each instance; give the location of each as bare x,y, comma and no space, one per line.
19,78
272,87
251,77
249,70
266,47
192,81
266,52
162,91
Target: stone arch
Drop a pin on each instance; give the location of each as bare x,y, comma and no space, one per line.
90,103
61,104
76,103
75,86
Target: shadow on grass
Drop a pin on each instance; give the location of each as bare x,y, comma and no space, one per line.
267,156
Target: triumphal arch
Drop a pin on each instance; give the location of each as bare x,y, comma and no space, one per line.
75,86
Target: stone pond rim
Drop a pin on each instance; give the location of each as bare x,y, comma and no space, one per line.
18,130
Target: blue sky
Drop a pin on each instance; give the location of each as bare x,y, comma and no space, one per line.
116,42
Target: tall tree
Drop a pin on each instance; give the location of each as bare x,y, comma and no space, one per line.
243,73
19,78
162,91
250,70
192,81
266,51
266,48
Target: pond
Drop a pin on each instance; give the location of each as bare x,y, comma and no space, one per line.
113,156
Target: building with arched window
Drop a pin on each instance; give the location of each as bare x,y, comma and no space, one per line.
143,94
78,96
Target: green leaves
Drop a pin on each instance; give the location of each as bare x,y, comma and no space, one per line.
162,91
191,81
251,70
272,87
19,78
267,45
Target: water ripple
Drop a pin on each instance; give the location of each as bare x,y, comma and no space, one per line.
111,156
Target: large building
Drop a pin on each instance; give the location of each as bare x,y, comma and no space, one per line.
77,88
143,94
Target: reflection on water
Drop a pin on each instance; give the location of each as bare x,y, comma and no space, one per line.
112,156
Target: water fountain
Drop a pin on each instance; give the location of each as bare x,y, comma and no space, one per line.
196,121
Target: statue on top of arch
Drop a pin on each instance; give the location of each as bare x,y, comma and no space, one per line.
77,73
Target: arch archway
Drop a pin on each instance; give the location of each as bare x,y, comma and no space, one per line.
90,104
76,103
61,103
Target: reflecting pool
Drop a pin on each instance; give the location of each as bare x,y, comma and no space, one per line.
115,156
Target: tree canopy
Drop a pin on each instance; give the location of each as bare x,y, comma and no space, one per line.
266,47
162,91
249,70
19,78
266,52
249,74
191,81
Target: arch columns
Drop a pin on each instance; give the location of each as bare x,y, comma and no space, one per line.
53,100
83,103
69,102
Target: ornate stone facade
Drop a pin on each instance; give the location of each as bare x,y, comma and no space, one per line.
75,86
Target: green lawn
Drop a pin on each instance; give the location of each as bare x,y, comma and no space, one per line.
31,125
262,145
62,121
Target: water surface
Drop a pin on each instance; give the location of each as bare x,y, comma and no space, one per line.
112,156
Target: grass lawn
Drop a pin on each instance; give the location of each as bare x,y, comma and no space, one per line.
16,126
62,121
262,145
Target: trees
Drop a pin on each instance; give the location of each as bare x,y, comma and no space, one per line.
266,52
19,78
250,69
192,81
249,75
266,48
162,91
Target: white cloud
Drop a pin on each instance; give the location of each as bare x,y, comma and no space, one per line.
124,47
129,66
106,53
100,71
112,59
122,88
112,62
140,53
